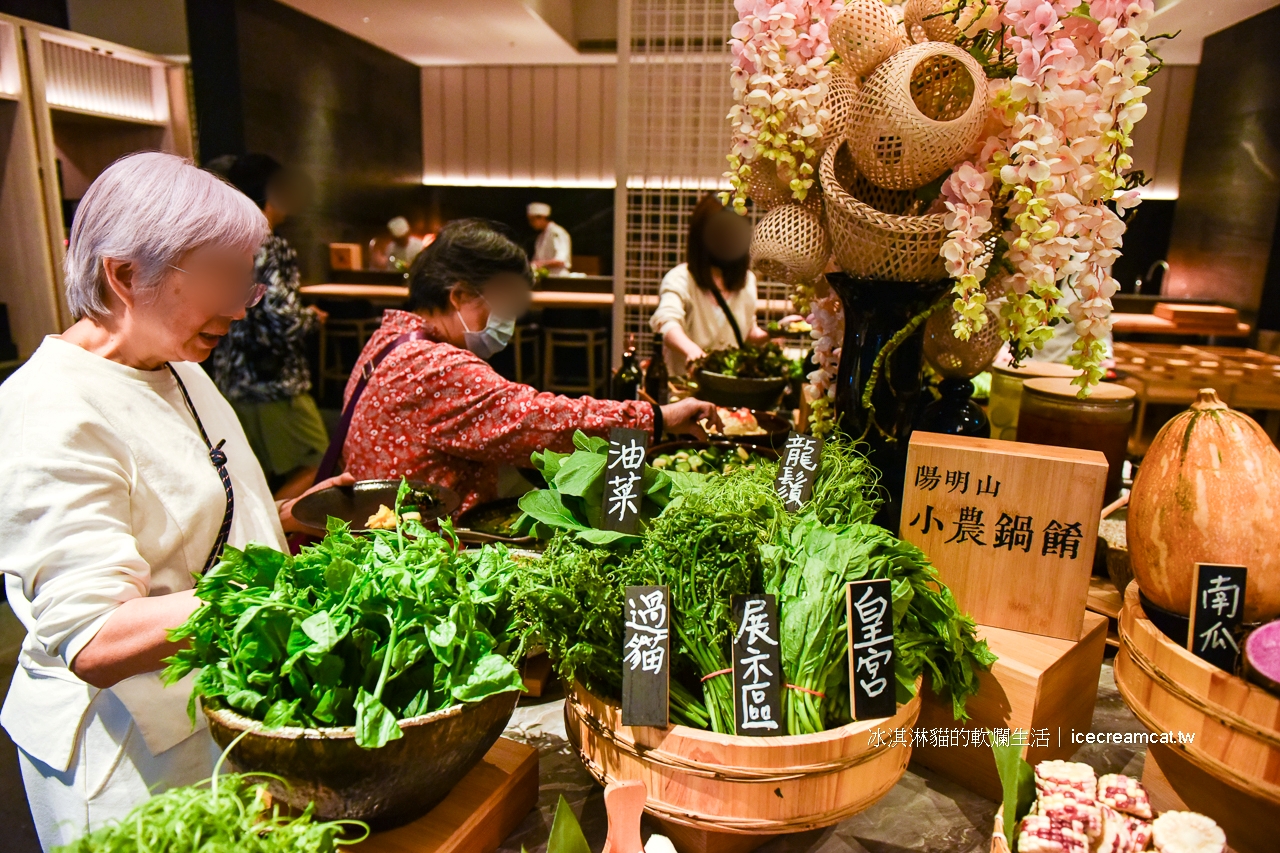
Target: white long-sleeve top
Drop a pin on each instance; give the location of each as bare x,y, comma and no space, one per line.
107,494
682,303
554,244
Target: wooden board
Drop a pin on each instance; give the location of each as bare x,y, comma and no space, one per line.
987,513
537,673
1209,316
1106,600
1039,684
478,815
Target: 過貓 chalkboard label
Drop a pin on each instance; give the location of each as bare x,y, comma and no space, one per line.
646,657
1216,611
797,469
757,666
871,656
624,469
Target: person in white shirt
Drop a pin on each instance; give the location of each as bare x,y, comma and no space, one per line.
124,473
553,250
709,302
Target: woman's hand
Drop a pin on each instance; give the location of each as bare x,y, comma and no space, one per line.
285,508
134,639
687,416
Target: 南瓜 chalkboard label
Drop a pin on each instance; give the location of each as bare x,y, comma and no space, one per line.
624,469
871,658
646,657
1216,612
757,666
797,469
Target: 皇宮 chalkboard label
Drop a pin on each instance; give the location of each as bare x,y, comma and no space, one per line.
624,470
757,666
646,657
1216,612
871,657
797,469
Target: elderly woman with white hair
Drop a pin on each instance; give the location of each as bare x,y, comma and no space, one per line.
124,474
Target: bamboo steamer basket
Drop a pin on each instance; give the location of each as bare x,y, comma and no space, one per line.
741,787
1236,724
877,233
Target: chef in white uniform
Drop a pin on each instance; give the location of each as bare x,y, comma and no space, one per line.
553,250
124,472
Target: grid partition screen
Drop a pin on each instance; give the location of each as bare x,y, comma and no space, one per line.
673,60
95,81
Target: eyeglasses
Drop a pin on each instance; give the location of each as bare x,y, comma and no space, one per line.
253,293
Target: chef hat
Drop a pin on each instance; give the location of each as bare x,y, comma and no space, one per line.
538,209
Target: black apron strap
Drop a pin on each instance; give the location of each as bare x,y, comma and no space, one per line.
733,321
331,456
219,459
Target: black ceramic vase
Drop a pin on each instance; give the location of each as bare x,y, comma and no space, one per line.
875,311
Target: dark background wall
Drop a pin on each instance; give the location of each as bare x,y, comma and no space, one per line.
1230,185
269,79
51,12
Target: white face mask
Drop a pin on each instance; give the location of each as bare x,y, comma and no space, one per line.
493,338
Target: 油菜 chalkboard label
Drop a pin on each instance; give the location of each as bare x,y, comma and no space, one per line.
797,469
757,666
1216,611
624,469
646,657
871,658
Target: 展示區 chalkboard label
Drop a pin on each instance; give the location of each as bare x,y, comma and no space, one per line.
871,656
646,657
1216,612
797,469
624,470
757,666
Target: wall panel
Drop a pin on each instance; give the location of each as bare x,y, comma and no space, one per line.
548,125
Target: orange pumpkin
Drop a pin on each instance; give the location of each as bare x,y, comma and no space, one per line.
1208,491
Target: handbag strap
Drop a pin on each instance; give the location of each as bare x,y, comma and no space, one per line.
733,321
219,459
331,456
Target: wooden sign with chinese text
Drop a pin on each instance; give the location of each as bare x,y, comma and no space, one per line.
1217,609
1010,526
646,656
872,684
624,469
757,666
797,469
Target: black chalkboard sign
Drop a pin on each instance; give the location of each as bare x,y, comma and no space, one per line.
871,657
757,666
797,469
624,469
646,657
1216,612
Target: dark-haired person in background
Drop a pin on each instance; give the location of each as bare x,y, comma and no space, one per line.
261,365
689,316
433,408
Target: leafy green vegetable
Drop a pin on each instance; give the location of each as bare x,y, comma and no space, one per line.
225,814
574,497
713,459
723,535
1019,784
749,362
357,631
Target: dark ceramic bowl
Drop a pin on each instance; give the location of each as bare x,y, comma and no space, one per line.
719,443
735,393
384,787
354,504
471,536
776,429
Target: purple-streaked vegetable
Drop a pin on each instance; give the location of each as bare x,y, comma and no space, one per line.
1262,657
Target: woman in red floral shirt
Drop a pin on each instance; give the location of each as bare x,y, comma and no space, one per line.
435,410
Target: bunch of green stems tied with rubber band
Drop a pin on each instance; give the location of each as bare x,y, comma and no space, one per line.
715,536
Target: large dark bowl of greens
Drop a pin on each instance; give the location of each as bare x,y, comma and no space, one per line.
371,671
750,377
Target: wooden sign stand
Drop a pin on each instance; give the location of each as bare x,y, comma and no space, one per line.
1038,683
478,815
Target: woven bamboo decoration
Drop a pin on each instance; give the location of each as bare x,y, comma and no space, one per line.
874,232
790,245
917,115
767,190
927,20
953,357
842,96
864,35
